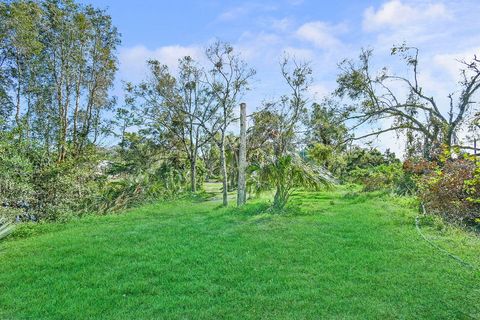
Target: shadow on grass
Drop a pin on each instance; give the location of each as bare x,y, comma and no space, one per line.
265,208
312,196
250,209
200,196
308,208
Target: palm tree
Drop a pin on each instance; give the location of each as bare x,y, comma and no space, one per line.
286,174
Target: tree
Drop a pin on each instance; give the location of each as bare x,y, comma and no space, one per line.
232,156
80,45
228,79
278,165
94,76
198,106
378,97
19,59
210,157
326,135
326,125
124,118
179,104
57,63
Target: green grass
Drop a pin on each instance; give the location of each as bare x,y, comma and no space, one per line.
330,256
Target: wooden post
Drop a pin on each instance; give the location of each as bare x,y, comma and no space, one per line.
242,157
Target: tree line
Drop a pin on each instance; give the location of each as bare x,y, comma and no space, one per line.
57,66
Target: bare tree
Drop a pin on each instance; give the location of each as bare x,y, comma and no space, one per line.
379,98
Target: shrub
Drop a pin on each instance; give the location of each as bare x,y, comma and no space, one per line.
449,190
16,189
419,166
382,177
15,178
64,190
285,174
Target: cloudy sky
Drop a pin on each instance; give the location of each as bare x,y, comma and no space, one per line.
322,32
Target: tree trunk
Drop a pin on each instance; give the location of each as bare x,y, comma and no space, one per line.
193,174
233,180
17,112
449,138
19,92
75,119
60,123
223,165
242,158
63,142
280,199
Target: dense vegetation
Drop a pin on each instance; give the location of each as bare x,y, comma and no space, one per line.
173,131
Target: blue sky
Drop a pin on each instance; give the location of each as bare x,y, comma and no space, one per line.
322,32
160,23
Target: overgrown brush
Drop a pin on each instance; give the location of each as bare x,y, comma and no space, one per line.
389,177
451,190
130,190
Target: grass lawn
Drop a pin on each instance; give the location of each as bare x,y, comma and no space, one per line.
333,256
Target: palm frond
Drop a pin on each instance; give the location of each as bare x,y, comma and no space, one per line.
290,171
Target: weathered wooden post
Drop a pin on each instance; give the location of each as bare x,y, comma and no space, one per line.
242,157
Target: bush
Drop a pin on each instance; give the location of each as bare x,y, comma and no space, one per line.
450,191
419,166
66,189
472,185
382,177
16,188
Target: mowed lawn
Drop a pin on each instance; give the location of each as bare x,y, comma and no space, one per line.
332,256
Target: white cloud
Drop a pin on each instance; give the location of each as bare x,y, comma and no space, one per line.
395,14
259,47
321,34
450,62
281,24
241,11
319,90
133,60
233,13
